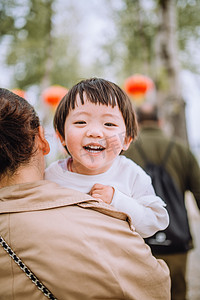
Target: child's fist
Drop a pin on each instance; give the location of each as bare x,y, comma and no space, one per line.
104,192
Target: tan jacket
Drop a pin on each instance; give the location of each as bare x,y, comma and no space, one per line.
78,247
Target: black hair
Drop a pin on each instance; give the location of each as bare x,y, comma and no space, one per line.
19,125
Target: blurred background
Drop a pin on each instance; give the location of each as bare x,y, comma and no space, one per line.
149,48
60,42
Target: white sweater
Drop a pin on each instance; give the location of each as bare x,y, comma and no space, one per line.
134,193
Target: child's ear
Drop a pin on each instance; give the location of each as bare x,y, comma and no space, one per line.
61,138
127,142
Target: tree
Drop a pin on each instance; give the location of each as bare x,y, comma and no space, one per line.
39,53
189,33
7,21
168,70
28,47
130,49
151,39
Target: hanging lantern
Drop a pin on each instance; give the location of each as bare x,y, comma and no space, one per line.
53,94
137,86
19,92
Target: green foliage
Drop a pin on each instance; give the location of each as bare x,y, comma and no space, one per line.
66,66
188,12
42,55
132,47
7,21
137,32
30,41
38,55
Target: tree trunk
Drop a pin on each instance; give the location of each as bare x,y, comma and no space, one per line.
48,65
48,59
171,103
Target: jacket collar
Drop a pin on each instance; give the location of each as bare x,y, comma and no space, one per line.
38,195
44,194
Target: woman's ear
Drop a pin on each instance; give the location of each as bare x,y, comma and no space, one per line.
127,142
61,138
42,142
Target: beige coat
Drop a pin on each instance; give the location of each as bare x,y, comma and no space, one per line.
78,247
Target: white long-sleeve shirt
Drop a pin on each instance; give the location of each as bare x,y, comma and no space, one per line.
134,193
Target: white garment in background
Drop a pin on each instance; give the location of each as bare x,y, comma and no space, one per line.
134,193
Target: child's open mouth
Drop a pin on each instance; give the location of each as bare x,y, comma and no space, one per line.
93,148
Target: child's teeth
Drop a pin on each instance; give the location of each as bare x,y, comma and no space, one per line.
93,148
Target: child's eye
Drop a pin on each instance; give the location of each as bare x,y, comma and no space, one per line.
80,122
109,124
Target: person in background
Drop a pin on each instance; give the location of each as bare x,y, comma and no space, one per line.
95,122
184,169
58,242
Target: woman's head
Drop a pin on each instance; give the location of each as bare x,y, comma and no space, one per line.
97,91
19,125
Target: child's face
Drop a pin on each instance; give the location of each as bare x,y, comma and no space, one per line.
94,136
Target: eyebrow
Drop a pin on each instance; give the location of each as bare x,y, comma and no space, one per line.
112,115
77,114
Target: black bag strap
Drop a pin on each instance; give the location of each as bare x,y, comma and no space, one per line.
26,270
166,155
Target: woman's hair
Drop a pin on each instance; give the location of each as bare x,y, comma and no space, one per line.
97,91
19,124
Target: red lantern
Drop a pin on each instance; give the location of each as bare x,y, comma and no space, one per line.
19,92
138,85
53,94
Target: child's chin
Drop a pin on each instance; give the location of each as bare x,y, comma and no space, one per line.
96,168
93,168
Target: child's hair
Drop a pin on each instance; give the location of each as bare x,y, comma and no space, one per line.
19,125
98,91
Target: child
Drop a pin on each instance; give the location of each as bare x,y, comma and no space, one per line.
95,121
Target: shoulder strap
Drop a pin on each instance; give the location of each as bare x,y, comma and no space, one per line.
166,155
26,270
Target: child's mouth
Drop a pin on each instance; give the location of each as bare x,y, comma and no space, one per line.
93,148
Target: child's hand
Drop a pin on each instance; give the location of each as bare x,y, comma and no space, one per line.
104,192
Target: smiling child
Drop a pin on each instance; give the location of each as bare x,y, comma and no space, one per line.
95,122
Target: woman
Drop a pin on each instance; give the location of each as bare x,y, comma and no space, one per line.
70,245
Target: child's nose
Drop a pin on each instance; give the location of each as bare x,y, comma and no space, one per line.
95,131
